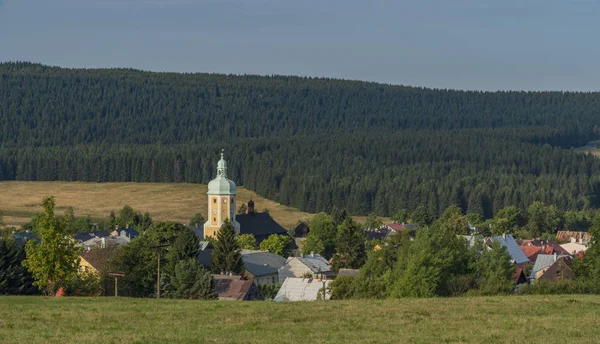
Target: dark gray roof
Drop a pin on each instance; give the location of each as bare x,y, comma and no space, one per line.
128,232
22,237
377,234
198,230
302,230
261,225
260,263
512,247
205,257
85,236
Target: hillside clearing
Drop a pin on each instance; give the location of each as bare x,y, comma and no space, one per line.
19,201
531,319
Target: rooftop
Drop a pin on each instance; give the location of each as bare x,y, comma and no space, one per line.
261,263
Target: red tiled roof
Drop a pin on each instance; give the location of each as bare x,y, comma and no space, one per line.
396,226
531,252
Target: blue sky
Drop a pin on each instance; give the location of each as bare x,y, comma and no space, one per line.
463,44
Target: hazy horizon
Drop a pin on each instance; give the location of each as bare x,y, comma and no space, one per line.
465,45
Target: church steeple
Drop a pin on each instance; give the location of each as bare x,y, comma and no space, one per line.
222,166
221,201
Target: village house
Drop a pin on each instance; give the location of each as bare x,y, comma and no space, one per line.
515,252
234,288
91,261
303,289
551,267
574,247
262,267
126,233
313,265
582,238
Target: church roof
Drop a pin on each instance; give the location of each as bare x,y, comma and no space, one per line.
221,185
259,224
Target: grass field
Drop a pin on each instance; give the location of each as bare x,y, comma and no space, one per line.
532,319
591,147
19,201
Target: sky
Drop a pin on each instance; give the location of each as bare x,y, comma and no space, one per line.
459,44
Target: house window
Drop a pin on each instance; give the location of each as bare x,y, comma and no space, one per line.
273,279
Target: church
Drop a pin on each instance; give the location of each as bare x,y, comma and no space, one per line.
222,205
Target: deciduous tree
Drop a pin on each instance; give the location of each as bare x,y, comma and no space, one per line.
54,261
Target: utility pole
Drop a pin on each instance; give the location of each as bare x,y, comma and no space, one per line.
116,276
158,250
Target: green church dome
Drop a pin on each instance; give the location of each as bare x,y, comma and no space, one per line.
221,185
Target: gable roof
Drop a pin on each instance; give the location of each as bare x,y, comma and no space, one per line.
301,230
85,236
233,289
577,236
512,247
261,225
261,263
316,263
21,238
302,289
574,248
128,232
95,258
531,252
377,233
543,261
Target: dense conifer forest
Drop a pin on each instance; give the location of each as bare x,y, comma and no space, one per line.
311,143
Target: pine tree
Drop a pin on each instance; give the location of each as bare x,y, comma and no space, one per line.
350,246
14,278
226,255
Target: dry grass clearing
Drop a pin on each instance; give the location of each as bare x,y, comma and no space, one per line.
589,148
19,201
513,319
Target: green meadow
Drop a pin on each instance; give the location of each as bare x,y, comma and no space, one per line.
514,319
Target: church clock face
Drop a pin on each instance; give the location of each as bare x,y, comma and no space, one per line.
215,211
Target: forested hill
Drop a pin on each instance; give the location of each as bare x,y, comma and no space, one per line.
307,142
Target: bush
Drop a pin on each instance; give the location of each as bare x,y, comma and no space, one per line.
555,288
269,290
85,284
341,288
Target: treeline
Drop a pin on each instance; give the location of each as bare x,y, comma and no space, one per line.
306,142
474,169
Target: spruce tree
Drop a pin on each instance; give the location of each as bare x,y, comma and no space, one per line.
226,255
350,248
14,278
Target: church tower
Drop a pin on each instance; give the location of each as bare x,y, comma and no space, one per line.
221,201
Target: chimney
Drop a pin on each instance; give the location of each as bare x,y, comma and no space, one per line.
573,239
555,256
504,236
